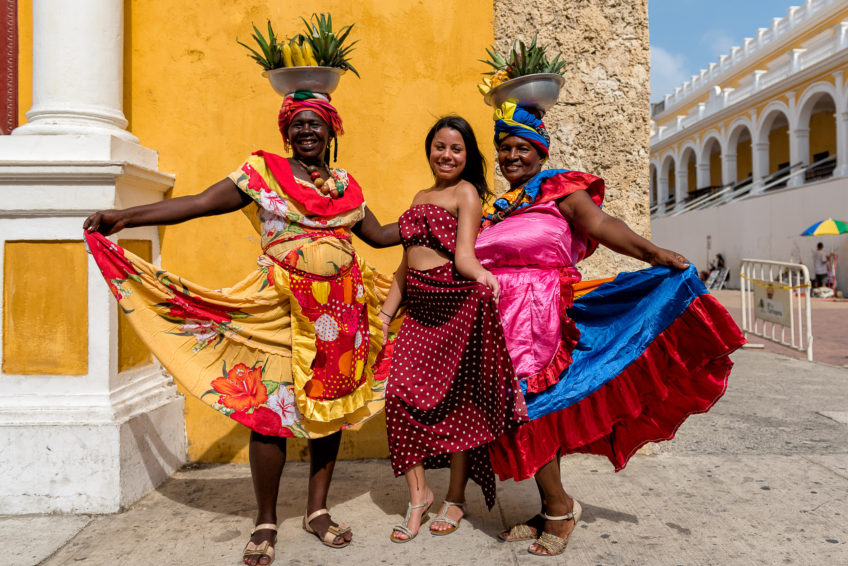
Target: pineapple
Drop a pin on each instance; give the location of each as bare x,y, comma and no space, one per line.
521,60
328,47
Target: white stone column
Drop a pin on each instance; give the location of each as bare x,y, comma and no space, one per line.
799,152
728,168
681,187
841,144
662,193
760,158
92,443
702,174
77,69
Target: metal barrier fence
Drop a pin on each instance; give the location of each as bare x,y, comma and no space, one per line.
776,303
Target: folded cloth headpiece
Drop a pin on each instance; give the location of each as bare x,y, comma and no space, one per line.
303,100
513,120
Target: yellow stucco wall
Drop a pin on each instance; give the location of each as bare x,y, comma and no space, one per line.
192,94
715,169
822,133
45,332
778,147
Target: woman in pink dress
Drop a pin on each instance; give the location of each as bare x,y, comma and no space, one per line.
625,365
451,388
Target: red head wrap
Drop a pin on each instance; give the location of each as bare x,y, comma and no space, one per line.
293,105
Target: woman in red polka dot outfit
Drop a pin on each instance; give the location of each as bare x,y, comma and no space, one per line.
451,388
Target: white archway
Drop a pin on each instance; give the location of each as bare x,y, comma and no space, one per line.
771,150
738,152
816,129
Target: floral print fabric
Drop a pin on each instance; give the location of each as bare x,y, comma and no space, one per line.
289,351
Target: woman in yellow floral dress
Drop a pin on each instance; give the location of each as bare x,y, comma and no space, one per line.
290,350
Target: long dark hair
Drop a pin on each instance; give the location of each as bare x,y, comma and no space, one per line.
475,164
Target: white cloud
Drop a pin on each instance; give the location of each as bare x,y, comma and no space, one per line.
718,42
668,71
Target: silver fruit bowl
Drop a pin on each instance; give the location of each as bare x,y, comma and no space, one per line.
539,91
315,79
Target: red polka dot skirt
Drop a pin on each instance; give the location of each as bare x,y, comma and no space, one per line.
451,384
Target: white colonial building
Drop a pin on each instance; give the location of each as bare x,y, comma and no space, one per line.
754,149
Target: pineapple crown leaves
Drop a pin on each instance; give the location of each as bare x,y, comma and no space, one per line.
523,59
270,55
327,45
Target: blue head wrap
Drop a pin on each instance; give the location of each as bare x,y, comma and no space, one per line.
514,120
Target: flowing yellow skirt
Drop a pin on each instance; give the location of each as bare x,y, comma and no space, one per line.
286,352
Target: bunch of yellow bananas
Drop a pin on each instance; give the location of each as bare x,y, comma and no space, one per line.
491,82
295,55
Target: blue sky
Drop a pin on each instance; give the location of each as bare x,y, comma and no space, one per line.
688,35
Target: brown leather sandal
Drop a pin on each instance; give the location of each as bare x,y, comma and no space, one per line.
334,532
264,548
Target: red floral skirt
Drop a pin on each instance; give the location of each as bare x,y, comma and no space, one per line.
451,386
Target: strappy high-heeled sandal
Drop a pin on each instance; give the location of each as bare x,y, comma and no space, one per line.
443,518
264,548
553,544
402,528
333,532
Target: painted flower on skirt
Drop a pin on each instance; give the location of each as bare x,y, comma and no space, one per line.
264,421
271,223
203,330
242,388
272,202
282,402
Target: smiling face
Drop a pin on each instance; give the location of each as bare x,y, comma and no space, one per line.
309,136
519,160
447,155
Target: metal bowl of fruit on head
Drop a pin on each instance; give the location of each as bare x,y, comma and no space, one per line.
312,61
524,75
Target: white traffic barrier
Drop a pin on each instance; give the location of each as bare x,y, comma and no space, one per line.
776,303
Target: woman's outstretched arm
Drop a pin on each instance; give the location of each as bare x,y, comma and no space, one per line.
583,214
224,196
375,234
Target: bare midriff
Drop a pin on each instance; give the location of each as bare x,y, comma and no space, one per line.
422,258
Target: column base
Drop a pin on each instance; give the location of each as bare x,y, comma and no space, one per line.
57,466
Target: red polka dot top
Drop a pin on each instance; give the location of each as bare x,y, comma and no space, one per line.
430,226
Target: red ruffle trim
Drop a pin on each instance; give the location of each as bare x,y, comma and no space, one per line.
314,203
683,372
564,184
570,336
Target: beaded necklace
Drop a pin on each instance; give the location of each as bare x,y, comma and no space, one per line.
331,187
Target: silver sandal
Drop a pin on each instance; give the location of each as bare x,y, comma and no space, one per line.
402,528
443,518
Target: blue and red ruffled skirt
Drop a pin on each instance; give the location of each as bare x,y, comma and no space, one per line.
654,348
